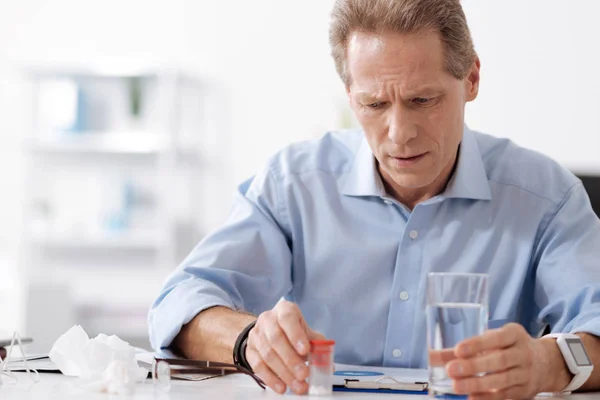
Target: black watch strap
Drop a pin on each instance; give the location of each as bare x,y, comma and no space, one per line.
239,349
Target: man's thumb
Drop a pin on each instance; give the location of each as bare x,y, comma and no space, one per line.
314,335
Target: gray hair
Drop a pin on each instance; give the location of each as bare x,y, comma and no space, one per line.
404,17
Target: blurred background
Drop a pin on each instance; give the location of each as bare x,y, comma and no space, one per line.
126,125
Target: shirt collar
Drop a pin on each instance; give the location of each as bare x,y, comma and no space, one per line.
469,180
364,179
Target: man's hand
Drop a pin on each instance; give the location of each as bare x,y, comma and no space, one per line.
278,345
506,363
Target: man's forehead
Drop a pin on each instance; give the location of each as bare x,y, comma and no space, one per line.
363,91
415,61
387,42
375,85
362,40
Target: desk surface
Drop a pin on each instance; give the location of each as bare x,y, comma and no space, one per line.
239,387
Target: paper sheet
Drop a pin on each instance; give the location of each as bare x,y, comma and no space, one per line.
39,364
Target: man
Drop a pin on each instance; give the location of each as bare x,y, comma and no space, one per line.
347,227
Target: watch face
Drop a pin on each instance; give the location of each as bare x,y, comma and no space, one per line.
579,353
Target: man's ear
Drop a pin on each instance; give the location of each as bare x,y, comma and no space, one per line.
349,94
472,80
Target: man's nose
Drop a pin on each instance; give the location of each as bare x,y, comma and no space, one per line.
401,128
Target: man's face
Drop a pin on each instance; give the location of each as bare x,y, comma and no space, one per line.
410,107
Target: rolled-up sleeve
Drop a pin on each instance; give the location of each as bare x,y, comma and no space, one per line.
245,265
567,289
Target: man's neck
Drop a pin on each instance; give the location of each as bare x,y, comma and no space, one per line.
411,197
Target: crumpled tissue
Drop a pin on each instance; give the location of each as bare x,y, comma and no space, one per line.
105,363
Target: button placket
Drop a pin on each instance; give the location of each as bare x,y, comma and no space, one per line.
409,261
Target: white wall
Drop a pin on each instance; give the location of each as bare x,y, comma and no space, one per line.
540,75
274,56
11,175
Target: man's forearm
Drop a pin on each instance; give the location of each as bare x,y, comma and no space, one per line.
559,375
212,333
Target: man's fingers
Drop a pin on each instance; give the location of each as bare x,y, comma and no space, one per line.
491,340
277,340
261,369
314,335
270,356
292,323
494,361
498,381
439,358
280,342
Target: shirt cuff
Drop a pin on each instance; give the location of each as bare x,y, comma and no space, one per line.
179,307
592,327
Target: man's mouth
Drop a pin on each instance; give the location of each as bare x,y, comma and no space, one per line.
406,161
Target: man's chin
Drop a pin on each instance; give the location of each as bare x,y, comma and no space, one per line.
411,181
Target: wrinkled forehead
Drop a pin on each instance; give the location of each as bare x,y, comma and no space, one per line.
412,60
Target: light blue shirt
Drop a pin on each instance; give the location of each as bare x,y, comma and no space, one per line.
317,227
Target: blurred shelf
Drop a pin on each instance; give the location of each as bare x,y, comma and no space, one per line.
125,143
125,240
160,162
112,144
118,69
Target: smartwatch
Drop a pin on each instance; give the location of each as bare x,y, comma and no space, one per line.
576,358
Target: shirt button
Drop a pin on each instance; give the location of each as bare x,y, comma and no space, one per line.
413,234
397,353
404,296
388,202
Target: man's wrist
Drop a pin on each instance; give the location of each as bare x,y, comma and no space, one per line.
555,372
239,349
211,334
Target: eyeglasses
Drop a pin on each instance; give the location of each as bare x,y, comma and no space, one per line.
5,364
164,369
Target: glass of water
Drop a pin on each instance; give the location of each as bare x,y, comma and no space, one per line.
457,309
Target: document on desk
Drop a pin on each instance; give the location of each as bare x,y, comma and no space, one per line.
354,377
39,362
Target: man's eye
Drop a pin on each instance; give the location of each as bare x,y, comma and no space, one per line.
375,105
420,100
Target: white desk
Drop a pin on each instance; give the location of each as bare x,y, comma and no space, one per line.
238,387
